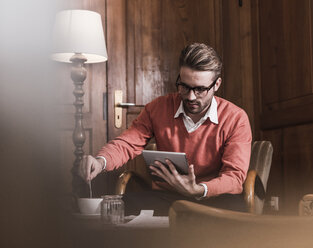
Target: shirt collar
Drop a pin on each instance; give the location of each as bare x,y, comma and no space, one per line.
211,113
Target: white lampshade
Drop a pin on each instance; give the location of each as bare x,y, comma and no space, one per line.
78,31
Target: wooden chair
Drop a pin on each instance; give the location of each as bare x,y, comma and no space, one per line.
256,182
254,186
196,225
136,176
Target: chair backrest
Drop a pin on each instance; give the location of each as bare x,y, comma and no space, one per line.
261,160
259,169
196,225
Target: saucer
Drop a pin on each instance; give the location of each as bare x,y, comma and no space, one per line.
87,216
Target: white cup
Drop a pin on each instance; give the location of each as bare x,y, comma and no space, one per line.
89,205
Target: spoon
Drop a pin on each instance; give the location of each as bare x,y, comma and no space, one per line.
90,190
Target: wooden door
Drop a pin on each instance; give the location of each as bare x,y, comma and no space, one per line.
144,45
144,42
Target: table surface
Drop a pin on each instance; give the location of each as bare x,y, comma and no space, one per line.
145,219
144,230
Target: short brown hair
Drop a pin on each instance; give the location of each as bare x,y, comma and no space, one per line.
201,57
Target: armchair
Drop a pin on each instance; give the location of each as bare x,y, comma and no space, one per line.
196,225
254,186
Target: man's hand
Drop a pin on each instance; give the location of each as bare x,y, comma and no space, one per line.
184,184
90,167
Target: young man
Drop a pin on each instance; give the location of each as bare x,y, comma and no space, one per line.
214,133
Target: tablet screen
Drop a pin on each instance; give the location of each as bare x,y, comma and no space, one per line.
179,159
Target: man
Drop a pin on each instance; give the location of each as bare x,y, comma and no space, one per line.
214,133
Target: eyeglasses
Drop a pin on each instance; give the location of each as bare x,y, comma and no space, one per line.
199,91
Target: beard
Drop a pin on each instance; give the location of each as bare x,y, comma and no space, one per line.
193,107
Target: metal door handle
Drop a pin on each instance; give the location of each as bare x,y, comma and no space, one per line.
125,104
128,104
118,105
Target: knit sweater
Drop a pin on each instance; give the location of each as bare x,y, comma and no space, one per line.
219,152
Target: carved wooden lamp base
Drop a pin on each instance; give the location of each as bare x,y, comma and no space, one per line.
78,75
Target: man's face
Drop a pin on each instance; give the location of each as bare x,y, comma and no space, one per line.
196,102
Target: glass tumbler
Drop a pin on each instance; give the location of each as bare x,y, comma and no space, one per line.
112,209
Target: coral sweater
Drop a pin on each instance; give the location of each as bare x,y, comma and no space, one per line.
219,152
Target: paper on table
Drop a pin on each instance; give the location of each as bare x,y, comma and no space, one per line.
146,219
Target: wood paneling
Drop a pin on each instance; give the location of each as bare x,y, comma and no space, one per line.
285,39
284,74
286,117
116,46
148,49
238,85
156,33
298,164
291,174
285,56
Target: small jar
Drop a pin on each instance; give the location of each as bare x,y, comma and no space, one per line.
112,209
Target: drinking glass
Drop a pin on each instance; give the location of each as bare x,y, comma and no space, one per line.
112,209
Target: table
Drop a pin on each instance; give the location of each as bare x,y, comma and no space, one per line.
144,230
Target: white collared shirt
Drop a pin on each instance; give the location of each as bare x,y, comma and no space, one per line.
190,125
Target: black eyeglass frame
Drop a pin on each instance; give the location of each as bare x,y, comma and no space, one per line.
201,88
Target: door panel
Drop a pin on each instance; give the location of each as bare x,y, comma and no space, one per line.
285,28
116,46
156,33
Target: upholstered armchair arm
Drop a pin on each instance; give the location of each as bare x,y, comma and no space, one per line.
248,189
122,182
136,170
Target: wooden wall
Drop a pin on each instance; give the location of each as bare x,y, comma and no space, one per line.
286,95
267,54
236,46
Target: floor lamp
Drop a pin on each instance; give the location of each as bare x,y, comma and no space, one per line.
78,38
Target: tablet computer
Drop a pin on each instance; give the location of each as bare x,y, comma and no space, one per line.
179,159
